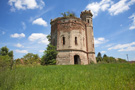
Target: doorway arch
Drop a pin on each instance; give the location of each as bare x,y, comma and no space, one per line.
77,59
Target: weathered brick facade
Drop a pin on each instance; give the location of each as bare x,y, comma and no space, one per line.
74,39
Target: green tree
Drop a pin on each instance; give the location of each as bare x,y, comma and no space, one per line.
49,38
7,55
43,59
104,55
31,58
112,60
99,54
121,60
99,57
4,62
4,51
10,54
105,58
49,57
18,61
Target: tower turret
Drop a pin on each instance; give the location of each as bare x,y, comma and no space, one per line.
86,16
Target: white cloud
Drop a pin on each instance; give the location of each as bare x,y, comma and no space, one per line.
25,4
40,21
128,49
108,5
124,47
132,17
38,37
121,6
95,7
12,9
23,25
16,35
19,45
21,51
103,52
41,51
3,32
100,40
109,45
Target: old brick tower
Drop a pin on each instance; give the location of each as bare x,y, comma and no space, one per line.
74,39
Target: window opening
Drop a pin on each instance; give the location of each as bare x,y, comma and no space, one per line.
63,40
88,20
75,40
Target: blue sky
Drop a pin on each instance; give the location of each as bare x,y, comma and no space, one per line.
24,24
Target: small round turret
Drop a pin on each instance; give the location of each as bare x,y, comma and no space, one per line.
85,14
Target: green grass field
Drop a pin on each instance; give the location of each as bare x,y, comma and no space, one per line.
70,77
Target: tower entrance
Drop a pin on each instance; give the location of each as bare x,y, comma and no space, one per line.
76,59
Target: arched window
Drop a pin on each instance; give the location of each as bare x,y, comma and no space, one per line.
63,40
75,40
88,21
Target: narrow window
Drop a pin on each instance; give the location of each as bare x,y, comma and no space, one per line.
88,20
63,40
75,40
83,42
93,45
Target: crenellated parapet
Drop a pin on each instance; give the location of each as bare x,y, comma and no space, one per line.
68,23
86,12
66,19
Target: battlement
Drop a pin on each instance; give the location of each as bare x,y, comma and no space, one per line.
86,12
66,19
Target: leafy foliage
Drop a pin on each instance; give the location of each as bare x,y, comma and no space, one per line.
6,58
4,51
104,55
107,59
31,58
4,62
49,38
18,61
99,57
121,60
68,14
49,57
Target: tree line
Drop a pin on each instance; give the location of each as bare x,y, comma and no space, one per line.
48,58
7,61
107,59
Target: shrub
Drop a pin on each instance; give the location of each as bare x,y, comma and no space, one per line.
4,62
121,60
6,58
49,56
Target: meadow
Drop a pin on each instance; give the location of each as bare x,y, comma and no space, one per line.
117,76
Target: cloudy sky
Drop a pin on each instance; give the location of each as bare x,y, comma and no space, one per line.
24,24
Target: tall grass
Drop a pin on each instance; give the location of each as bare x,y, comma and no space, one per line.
70,77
